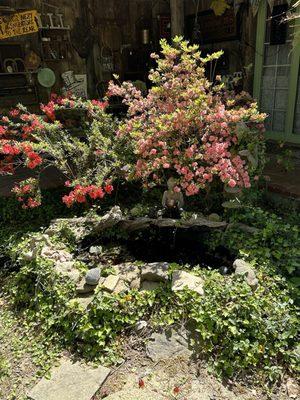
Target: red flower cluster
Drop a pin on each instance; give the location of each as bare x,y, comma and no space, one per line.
27,193
10,149
24,135
81,193
99,104
49,110
33,160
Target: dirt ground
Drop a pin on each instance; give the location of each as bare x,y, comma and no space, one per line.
138,378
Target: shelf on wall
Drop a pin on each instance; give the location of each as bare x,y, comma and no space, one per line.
18,73
45,28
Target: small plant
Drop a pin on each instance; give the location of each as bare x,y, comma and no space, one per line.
285,158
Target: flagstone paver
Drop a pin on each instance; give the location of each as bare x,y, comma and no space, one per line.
70,381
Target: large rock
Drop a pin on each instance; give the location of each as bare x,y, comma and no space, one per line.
55,254
84,226
85,300
110,283
155,272
127,271
70,381
245,269
145,222
293,388
184,280
83,287
80,227
68,270
92,277
167,344
121,287
112,218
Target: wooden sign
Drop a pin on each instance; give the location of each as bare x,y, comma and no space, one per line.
18,24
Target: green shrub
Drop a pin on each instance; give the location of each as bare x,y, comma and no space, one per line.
275,245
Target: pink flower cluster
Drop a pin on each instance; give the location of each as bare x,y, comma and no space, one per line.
186,128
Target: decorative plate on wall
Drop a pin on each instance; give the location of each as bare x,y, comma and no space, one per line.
46,77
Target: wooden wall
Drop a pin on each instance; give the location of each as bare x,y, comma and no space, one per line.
114,27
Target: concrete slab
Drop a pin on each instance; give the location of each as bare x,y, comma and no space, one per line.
70,381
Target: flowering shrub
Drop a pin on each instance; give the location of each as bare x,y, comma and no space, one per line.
189,128
73,135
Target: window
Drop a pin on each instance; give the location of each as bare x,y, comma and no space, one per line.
276,74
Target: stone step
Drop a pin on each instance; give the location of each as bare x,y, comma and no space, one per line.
70,381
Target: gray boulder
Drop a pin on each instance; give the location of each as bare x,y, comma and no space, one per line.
70,381
93,276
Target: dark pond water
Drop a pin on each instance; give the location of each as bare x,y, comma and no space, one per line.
181,246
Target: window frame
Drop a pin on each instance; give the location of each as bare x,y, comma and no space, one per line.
288,135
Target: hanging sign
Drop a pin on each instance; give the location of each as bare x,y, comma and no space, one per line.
18,24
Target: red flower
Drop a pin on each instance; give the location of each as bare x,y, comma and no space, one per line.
14,113
108,189
3,130
9,149
31,203
25,117
48,109
141,383
34,160
96,192
176,390
68,199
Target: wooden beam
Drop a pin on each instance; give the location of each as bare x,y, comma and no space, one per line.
177,17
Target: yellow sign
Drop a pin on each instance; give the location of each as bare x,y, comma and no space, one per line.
17,24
